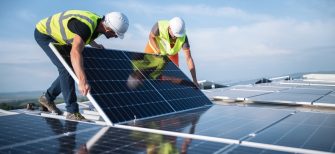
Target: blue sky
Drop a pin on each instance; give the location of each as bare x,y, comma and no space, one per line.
231,40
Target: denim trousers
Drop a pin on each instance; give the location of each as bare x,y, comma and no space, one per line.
64,83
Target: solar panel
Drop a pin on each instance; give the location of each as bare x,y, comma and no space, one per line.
261,87
304,130
172,83
115,140
237,149
232,122
287,98
33,134
23,128
239,94
127,85
328,100
308,91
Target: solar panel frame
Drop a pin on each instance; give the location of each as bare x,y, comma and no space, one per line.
328,100
101,70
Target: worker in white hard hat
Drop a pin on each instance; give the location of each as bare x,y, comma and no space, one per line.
76,28
168,37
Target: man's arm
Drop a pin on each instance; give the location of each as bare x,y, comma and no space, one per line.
78,64
152,38
191,66
96,45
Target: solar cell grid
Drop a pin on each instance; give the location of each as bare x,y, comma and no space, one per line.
169,81
129,85
60,136
231,122
303,130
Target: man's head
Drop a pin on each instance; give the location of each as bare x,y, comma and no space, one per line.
177,27
116,24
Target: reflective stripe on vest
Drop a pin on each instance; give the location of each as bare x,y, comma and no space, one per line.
163,40
150,64
54,26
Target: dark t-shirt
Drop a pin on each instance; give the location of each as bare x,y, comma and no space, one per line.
155,31
82,29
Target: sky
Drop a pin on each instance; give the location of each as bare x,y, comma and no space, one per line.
231,40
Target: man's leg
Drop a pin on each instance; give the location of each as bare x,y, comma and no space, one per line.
53,91
68,90
64,83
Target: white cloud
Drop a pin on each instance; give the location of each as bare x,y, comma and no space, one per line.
238,44
199,10
261,39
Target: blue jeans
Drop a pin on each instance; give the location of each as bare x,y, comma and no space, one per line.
64,83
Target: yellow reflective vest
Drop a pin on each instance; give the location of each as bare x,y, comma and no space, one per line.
56,25
163,40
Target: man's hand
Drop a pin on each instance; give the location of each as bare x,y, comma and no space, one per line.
78,64
82,149
84,87
96,45
196,84
99,46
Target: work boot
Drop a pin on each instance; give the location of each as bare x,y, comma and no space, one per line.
49,105
76,116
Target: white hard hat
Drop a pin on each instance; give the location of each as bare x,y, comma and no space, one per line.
118,22
177,26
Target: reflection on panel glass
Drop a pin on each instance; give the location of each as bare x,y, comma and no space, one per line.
32,134
59,136
167,79
129,85
231,122
23,128
114,140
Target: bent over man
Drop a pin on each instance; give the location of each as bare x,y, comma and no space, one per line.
167,37
76,28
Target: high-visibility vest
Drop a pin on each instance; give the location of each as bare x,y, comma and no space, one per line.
56,25
163,40
150,64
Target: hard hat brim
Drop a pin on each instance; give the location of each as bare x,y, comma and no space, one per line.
178,34
120,36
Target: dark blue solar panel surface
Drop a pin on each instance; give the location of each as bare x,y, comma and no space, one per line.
248,150
307,130
163,87
23,128
231,122
33,134
171,83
